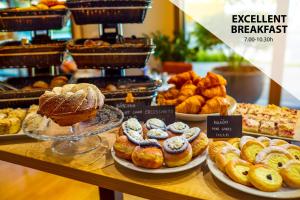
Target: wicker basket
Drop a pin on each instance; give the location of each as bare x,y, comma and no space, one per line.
100,12
14,20
13,54
111,57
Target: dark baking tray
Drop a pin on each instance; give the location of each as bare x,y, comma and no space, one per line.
29,20
20,82
114,56
14,54
108,11
101,82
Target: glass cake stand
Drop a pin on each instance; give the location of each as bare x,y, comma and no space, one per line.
79,138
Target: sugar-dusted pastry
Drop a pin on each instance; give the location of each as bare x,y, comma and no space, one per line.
273,156
235,142
177,151
264,140
286,129
197,139
268,127
277,142
250,150
71,103
212,80
264,178
177,128
215,147
131,124
154,123
191,105
226,154
158,134
290,173
238,170
250,125
125,144
292,149
148,154
245,139
217,91
216,105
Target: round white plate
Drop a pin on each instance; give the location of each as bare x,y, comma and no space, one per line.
194,163
280,194
203,117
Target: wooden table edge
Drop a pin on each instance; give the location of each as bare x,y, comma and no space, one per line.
94,179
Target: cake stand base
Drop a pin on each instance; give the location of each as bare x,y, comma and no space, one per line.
73,147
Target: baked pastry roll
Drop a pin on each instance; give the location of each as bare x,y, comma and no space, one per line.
180,79
238,170
4,126
274,157
197,139
264,178
245,139
177,128
250,150
10,125
292,149
290,173
125,144
19,113
158,134
131,125
226,154
154,123
148,154
234,142
215,147
211,80
191,105
217,91
268,127
215,105
264,140
277,142
177,151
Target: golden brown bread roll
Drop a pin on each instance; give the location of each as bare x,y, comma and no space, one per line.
211,80
71,103
217,91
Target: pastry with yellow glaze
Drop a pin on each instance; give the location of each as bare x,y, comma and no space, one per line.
277,142
273,156
290,173
293,149
215,147
238,171
264,140
148,154
265,178
245,139
197,139
227,154
250,150
235,142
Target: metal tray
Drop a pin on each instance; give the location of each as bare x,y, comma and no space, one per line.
131,53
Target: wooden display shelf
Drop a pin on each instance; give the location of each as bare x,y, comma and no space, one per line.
197,183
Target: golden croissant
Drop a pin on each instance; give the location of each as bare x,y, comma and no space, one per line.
215,105
180,79
191,105
211,80
219,91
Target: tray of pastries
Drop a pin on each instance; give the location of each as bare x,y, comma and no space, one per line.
271,120
108,11
124,53
31,54
47,14
154,147
259,166
11,120
197,97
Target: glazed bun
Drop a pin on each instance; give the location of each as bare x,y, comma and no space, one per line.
197,139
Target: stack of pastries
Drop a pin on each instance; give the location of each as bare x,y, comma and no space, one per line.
269,120
193,94
154,144
258,162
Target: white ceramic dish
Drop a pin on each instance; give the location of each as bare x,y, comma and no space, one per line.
283,193
203,117
129,165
